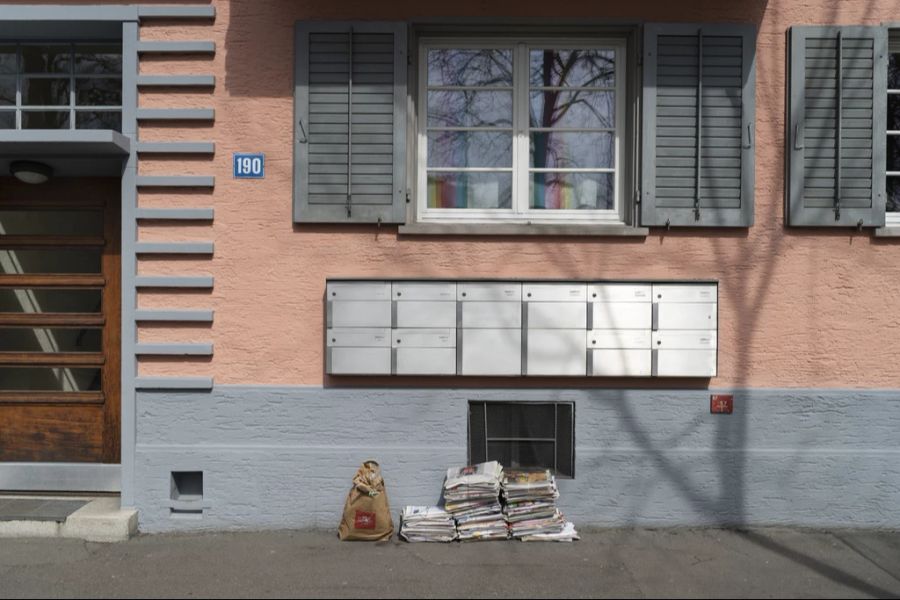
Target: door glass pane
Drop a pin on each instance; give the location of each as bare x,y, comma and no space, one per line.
45,119
98,92
893,194
69,260
46,58
469,190
523,454
581,67
98,119
45,92
55,379
521,420
893,113
51,222
7,90
100,59
470,67
7,119
57,339
571,191
893,82
49,300
8,63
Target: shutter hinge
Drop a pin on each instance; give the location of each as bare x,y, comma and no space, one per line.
408,194
637,195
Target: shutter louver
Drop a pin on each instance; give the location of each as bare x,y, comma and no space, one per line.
350,103
698,107
836,139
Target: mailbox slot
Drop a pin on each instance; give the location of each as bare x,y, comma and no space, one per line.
489,292
554,292
684,340
619,292
679,292
358,290
619,338
411,290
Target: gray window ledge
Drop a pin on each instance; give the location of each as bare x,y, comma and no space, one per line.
564,229
891,231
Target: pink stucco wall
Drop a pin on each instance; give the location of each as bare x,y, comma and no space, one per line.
798,307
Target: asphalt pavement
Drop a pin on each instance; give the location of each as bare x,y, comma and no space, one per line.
703,563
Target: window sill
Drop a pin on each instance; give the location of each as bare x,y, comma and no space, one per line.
560,229
888,231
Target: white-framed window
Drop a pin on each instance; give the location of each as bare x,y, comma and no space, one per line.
521,130
892,205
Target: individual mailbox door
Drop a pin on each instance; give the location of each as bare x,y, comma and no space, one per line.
362,351
619,338
621,315
684,340
554,292
557,315
620,362
685,315
358,290
424,351
685,363
423,290
359,313
491,352
556,352
491,315
619,292
680,292
489,292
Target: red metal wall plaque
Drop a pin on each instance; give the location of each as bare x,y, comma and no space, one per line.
721,404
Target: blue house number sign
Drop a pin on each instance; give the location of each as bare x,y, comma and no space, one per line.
249,166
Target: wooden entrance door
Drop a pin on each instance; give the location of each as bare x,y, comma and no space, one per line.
60,306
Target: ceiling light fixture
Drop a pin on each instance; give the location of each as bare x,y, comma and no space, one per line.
30,172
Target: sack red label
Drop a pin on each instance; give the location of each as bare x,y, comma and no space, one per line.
364,520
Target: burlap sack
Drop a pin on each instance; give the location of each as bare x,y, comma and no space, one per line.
367,515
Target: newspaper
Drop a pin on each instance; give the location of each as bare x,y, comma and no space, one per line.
426,524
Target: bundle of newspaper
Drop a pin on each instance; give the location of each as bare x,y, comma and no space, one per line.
472,496
427,524
530,506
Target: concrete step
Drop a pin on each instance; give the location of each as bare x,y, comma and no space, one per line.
100,520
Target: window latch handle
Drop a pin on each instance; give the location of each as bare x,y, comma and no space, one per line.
305,137
798,137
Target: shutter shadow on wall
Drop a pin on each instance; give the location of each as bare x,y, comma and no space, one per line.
350,122
698,119
836,136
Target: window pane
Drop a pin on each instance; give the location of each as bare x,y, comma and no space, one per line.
523,454
7,119
894,72
469,149
45,119
572,150
49,379
107,119
893,194
51,222
8,59
98,92
470,67
46,59
45,92
49,300
469,190
893,153
7,91
98,58
469,109
583,68
893,116
578,110
569,191
57,339
70,260
514,420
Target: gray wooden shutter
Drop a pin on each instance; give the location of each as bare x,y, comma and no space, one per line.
697,129
836,136
350,122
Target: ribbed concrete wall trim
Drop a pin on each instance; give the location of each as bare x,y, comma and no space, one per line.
191,349
176,214
176,147
166,47
170,281
197,316
175,181
174,247
176,12
176,80
176,114
174,383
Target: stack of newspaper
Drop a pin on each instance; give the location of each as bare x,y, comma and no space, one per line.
426,524
530,506
472,496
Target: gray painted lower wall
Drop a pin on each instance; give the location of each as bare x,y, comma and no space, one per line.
276,457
